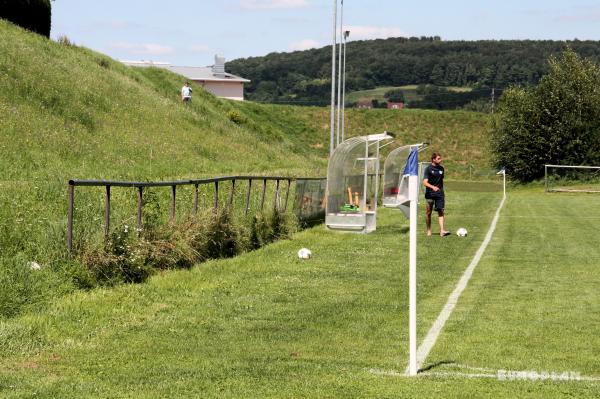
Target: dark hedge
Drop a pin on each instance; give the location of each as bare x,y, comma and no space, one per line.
34,15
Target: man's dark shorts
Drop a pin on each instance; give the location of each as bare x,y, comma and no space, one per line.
437,200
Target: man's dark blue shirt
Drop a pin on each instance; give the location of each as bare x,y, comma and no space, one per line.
435,177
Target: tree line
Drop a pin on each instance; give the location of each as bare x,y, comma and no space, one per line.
304,77
556,122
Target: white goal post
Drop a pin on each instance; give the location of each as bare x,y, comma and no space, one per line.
572,179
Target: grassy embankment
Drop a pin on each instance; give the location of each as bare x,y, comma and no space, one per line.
67,112
460,136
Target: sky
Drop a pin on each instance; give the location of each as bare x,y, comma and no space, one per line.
192,32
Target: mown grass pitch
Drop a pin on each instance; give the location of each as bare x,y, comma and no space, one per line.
267,324
533,302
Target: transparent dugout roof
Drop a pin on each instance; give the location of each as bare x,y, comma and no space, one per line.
395,184
352,183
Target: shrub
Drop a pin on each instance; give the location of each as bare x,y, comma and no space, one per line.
125,257
65,41
260,232
152,214
164,254
395,95
222,236
237,117
481,105
279,227
104,63
120,260
556,122
130,259
34,15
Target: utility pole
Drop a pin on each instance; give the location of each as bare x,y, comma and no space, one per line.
332,118
493,98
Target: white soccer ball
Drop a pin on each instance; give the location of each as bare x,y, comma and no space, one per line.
33,265
462,232
304,253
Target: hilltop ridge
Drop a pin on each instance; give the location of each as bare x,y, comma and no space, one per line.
304,77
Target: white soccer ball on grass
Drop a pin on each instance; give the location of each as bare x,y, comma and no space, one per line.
462,232
304,253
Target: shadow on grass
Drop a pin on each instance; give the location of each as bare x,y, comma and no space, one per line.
437,364
393,229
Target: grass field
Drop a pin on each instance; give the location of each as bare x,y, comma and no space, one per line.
410,93
266,324
540,282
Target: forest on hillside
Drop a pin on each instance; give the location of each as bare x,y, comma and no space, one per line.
304,77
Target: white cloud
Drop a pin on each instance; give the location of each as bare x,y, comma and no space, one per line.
271,4
143,49
374,32
304,45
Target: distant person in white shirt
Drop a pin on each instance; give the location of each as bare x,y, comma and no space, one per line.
186,93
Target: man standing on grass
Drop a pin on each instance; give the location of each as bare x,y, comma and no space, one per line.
186,94
433,180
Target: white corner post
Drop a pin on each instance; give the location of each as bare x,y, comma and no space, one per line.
332,118
363,202
503,173
413,189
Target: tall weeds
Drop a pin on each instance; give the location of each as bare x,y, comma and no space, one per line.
131,257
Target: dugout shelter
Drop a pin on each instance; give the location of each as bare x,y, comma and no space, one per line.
395,181
353,184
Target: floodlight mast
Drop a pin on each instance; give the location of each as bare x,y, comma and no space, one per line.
332,116
339,87
346,34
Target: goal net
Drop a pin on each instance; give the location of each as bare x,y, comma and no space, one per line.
564,178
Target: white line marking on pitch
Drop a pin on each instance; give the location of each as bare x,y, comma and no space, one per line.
436,328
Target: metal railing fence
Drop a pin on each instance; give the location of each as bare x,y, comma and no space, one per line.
280,202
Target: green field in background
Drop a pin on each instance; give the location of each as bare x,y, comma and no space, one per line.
410,93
